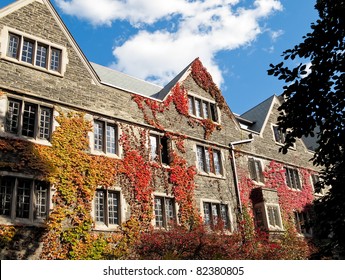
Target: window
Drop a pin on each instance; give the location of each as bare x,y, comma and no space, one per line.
302,222
33,52
316,183
28,119
202,108
159,149
255,170
107,207
209,160
216,214
23,198
279,136
273,213
292,178
164,211
105,137
267,216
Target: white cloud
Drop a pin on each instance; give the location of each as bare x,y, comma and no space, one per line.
205,27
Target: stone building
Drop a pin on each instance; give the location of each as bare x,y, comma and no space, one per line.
44,73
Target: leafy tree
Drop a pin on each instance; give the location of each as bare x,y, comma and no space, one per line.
315,106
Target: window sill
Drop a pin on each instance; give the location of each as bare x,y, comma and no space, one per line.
98,153
203,119
103,227
31,66
21,222
211,175
43,142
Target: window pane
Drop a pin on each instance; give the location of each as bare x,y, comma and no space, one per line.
154,147
29,120
273,216
169,210
41,56
207,213
215,215
213,112
113,207
6,187
201,158
259,217
111,139
45,123
13,46
41,190
190,105
98,136
164,150
23,199
158,212
216,161
198,108
27,53
205,109
55,59
207,160
224,215
12,117
279,136
99,206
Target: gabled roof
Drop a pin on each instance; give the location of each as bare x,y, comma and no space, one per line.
131,84
125,82
165,91
258,114
22,3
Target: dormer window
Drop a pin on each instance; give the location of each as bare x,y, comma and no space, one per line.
201,108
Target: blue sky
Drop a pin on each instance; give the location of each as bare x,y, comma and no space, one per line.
153,40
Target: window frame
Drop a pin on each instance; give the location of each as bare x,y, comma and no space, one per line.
105,224
256,170
34,118
166,220
302,222
7,52
205,158
34,199
162,149
278,135
266,220
210,220
292,178
210,113
104,138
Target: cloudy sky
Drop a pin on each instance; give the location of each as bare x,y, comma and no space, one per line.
155,39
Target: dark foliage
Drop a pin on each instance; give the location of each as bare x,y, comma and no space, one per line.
315,101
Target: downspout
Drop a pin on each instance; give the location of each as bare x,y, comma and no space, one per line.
233,162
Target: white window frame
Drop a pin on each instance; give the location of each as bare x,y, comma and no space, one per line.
4,44
265,211
104,151
33,196
192,108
